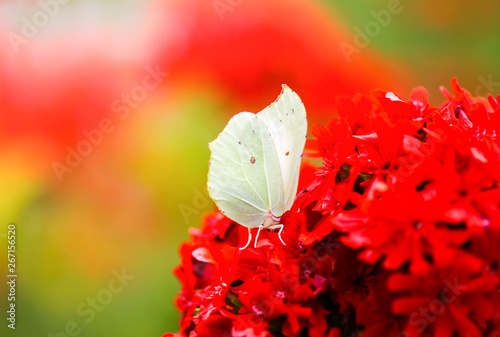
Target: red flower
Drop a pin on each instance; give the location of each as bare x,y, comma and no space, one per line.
446,297
396,234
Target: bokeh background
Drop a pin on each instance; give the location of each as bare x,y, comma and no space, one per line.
106,109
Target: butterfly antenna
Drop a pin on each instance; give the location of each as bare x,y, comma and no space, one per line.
279,234
249,239
257,237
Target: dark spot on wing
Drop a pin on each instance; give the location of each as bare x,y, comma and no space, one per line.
287,153
239,143
253,132
252,160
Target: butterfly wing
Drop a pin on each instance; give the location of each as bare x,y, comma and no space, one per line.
244,177
287,122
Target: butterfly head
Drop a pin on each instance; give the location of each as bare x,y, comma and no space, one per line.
270,220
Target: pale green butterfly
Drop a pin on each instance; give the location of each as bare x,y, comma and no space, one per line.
254,167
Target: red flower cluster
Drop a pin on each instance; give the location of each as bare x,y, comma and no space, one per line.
397,234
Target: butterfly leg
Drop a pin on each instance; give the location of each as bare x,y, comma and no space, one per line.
249,239
258,232
279,234
280,226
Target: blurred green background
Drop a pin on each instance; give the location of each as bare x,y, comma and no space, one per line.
97,237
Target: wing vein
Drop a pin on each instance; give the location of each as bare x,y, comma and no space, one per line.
252,186
265,171
245,201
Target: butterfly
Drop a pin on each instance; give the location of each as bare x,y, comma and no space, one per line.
255,162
